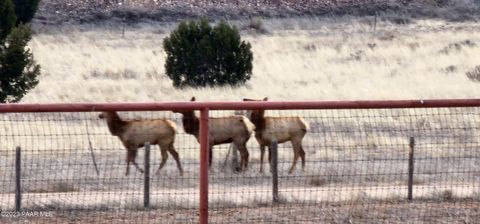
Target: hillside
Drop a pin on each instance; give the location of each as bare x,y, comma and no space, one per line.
94,11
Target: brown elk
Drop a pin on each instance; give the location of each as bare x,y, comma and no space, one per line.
135,133
281,129
233,129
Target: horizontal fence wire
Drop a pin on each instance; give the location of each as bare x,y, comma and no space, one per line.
356,169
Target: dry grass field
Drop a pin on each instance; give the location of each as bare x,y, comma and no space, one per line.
299,59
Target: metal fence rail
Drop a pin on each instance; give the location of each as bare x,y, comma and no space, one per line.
366,161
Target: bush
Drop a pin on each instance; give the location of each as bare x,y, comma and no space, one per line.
201,55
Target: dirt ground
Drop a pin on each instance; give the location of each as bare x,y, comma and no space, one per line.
361,211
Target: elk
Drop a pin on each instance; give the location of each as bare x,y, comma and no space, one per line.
235,129
280,129
135,133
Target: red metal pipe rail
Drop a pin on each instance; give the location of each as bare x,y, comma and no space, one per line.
204,108
274,105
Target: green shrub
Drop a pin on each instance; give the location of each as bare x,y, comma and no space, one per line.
201,55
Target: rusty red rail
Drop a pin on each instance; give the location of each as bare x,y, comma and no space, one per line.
218,105
204,108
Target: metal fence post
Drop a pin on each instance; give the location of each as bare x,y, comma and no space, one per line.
146,182
18,186
410,168
204,150
274,169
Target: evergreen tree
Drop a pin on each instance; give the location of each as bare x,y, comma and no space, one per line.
18,70
199,55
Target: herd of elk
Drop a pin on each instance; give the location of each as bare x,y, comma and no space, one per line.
235,129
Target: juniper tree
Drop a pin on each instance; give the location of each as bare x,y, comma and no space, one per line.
18,70
201,55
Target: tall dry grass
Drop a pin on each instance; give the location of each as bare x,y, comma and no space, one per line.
299,59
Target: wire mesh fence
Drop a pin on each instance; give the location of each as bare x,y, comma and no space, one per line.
356,169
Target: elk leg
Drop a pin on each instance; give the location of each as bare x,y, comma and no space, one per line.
295,158
174,153
138,167
302,156
163,151
128,163
269,154
262,154
297,148
244,156
210,156
132,154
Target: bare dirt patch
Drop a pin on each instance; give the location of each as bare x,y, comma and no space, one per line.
361,211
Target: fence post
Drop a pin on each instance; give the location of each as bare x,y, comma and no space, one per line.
410,168
18,186
274,169
146,183
204,150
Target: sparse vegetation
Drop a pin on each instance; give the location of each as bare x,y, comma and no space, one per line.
55,187
330,176
474,74
450,69
443,195
456,47
317,181
256,26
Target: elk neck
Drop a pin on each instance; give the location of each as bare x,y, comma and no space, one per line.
258,119
191,123
115,123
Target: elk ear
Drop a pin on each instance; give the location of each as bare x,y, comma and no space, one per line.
193,98
265,99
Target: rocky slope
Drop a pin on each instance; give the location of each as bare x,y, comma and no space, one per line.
60,11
